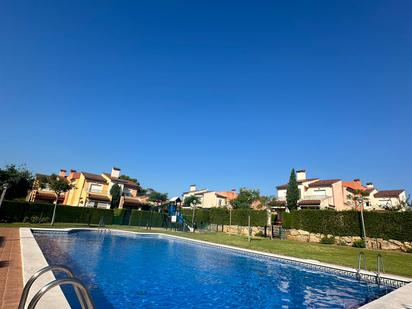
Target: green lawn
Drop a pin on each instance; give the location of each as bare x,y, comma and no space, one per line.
395,262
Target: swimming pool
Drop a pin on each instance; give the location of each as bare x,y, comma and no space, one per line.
154,271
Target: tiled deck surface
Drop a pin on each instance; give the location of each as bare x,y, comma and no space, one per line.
11,281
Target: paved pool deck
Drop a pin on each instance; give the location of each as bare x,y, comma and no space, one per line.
11,279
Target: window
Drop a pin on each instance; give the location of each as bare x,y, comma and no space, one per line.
95,187
127,192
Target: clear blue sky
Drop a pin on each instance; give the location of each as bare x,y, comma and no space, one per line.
223,94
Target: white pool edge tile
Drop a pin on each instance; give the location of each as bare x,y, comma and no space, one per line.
32,259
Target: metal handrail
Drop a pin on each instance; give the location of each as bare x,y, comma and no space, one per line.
85,299
40,272
380,267
360,257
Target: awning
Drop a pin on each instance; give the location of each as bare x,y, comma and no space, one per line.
99,197
47,196
309,202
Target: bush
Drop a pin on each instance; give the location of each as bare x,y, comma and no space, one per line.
382,224
327,240
35,219
360,243
260,234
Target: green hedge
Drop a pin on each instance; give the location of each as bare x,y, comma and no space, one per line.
222,216
382,224
145,218
12,211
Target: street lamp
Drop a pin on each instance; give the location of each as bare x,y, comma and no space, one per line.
4,187
360,202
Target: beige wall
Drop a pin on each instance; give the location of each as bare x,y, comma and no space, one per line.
208,199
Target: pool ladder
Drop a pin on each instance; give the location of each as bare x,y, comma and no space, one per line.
361,257
82,292
379,265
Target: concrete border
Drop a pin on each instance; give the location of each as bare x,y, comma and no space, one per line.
400,298
32,259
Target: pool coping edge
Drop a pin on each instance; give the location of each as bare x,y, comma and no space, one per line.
32,260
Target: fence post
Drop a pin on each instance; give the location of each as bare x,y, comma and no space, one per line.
248,220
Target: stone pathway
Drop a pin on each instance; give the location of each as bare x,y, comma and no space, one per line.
11,281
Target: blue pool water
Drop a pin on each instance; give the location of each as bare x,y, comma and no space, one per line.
142,271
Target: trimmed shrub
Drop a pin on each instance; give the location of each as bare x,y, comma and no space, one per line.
260,234
360,243
382,224
328,240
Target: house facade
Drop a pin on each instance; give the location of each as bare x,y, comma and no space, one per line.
93,190
210,199
341,195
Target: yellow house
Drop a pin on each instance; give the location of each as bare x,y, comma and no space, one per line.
93,190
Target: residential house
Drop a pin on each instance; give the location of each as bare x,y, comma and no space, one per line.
340,195
45,195
93,190
316,193
389,199
211,199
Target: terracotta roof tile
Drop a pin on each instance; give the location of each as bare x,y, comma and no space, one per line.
389,193
94,177
323,183
230,195
285,186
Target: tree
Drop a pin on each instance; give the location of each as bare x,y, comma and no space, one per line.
57,184
292,192
157,197
125,177
19,181
116,193
245,198
192,201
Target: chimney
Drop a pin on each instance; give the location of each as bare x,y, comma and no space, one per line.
115,172
72,171
369,185
357,180
62,173
192,188
300,175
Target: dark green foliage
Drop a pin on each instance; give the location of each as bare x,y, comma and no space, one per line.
382,224
18,179
157,197
327,240
191,200
118,215
202,216
245,198
221,216
115,192
292,193
146,218
360,243
12,211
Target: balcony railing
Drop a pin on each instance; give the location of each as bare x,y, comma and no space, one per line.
316,197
